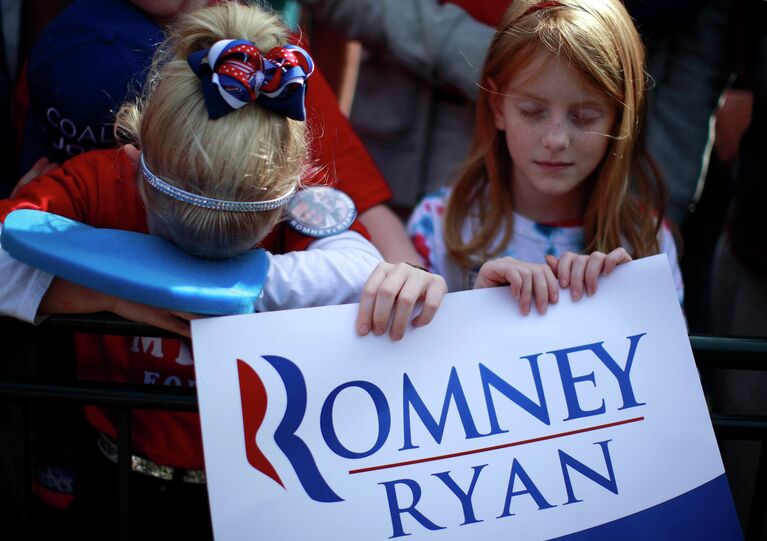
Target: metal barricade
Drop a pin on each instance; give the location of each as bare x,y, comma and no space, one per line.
19,389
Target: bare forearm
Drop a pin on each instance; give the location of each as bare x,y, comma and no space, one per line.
65,297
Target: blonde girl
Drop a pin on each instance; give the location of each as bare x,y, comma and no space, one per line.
216,154
214,173
558,188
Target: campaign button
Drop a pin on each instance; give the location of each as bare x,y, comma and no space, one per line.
321,212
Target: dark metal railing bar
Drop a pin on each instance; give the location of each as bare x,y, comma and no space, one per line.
184,399
747,353
740,427
712,352
124,466
130,396
100,323
104,323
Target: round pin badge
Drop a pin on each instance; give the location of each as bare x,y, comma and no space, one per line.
321,211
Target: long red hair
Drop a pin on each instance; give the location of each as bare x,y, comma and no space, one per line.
625,196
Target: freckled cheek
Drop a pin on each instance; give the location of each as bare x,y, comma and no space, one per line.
593,145
522,131
519,142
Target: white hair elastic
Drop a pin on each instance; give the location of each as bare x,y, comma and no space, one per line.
209,202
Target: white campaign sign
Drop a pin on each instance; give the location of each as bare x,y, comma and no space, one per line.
483,425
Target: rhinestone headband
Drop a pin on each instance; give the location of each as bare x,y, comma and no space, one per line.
209,202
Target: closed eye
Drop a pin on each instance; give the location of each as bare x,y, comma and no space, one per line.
530,113
586,117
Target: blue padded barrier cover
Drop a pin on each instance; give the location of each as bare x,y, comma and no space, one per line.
135,266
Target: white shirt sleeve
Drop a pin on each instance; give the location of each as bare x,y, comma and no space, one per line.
22,288
331,271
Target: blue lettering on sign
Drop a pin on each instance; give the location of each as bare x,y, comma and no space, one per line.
491,379
382,411
395,511
492,385
621,375
454,391
520,483
609,482
517,471
285,437
463,496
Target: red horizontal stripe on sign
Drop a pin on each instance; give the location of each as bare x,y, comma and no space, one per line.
495,447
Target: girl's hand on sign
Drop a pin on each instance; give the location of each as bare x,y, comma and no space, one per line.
528,282
581,272
391,294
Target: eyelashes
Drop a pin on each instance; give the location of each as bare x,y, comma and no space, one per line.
579,118
586,119
530,114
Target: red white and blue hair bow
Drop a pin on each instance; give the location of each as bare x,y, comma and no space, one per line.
235,73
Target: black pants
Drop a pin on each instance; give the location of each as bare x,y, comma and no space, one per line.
158,509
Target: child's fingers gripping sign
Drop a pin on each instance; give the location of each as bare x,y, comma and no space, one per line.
392,293
581,272
528,282
615,258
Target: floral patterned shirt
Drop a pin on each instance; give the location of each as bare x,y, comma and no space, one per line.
530,242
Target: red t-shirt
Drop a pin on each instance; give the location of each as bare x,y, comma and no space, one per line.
99,188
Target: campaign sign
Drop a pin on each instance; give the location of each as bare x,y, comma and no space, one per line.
586,423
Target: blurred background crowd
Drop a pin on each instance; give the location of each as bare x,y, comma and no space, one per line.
406,74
